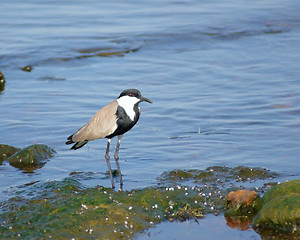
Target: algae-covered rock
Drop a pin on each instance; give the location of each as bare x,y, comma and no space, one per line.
31,157
66,210
2,82
246,172
179,175
217,174
280,209
6,151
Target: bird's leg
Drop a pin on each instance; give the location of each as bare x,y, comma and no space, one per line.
117,160
118,147
108,163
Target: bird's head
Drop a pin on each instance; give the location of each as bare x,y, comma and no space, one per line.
133,96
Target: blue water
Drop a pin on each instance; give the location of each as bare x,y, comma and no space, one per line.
210,227
224,78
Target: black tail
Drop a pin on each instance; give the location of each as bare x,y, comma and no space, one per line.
77,144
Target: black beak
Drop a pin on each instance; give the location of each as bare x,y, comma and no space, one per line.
143,99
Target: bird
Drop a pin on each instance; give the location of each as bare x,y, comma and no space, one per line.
114,119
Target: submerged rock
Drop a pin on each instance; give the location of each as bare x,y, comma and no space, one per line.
27,68
280,209
217,174
31,157
105,52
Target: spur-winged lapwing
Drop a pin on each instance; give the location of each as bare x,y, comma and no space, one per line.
114,119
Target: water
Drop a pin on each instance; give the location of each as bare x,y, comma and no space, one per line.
210,227
223,77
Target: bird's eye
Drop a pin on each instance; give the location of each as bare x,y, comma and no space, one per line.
130,94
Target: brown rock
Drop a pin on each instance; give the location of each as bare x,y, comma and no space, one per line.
241,198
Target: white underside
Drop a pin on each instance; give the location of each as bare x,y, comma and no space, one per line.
128,103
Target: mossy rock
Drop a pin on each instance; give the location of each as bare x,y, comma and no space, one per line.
6,151
280,209
284,189
31,157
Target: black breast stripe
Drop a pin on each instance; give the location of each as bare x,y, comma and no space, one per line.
124,122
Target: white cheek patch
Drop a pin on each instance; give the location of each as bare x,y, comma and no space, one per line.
128,103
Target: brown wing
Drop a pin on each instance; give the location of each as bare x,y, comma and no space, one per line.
103,123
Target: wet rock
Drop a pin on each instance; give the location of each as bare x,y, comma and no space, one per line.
27,68
241,202
31,157
2,82
6,151
280,209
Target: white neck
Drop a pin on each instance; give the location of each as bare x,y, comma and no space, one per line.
128,103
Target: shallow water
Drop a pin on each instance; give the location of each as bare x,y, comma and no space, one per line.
210,227
223,77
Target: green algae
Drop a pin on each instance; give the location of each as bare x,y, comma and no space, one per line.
65,209
280,209
284,189
95,212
